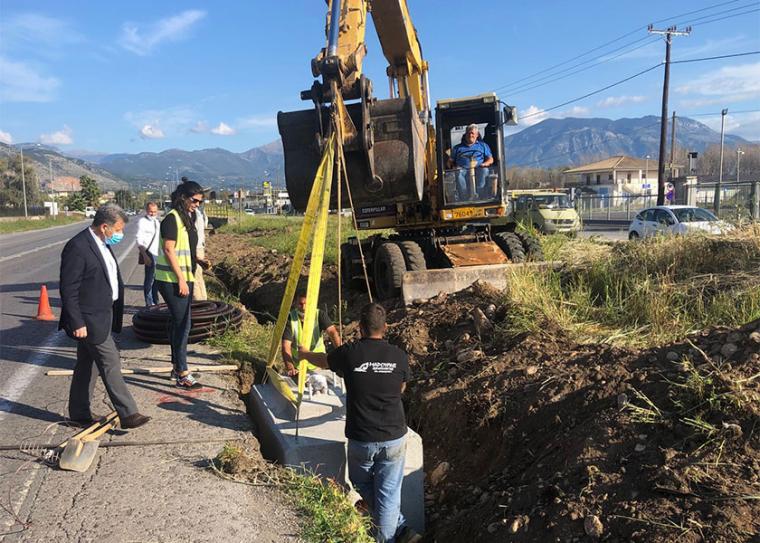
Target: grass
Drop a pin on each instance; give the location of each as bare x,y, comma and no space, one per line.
641,293
281,233
23,225
327,514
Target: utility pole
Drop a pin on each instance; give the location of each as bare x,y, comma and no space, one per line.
716,198
668,33
23,182
672,143
739,154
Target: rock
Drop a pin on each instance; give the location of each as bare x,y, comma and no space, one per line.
531,370
673,356
755,337
483,326
593,526
439,473
728,349
622,400
574,515
734,337
469,355
490,311
733,429
464,338
418,301
515,526
493,527
640,447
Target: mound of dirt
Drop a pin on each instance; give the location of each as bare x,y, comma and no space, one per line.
540,439
258,276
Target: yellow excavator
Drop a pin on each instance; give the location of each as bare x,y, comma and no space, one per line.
451,222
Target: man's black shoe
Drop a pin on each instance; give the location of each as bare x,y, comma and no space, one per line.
134,420
82,423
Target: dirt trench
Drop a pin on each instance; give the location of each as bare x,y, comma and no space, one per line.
536,438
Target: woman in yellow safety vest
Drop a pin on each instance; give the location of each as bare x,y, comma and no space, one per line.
174,273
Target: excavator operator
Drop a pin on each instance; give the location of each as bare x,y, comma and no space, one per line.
471,158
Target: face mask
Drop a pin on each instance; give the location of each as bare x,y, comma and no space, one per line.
115,238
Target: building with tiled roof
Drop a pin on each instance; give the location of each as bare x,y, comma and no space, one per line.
615,176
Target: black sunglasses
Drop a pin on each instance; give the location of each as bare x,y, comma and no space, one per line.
197,201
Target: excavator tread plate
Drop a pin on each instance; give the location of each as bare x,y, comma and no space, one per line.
474,254
421,285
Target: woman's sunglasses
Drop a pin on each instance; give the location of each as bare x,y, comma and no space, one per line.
196,200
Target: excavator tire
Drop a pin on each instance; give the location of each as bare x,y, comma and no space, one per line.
531,246
389,270
413,255
511,245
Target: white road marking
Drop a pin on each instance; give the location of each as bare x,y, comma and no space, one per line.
30,251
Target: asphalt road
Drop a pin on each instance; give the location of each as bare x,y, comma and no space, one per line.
28,347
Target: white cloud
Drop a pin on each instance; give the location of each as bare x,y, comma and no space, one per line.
22,83
150,132
37,34
258,121
746,125
223,130
614,101
532,115
728,84
173,120
5,137
199,128
576,111
143,41
62,137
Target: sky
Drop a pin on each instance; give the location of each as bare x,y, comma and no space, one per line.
145,76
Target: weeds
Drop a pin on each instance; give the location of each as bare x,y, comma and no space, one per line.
281,233
641,293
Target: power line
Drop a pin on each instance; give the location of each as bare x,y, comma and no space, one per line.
718,113
551,78
617,39
696,22
716,58
594,92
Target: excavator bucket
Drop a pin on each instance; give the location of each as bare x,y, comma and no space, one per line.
385,163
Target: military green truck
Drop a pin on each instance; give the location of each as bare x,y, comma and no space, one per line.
549,211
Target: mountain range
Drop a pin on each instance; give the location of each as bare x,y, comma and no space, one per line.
550,143
574,142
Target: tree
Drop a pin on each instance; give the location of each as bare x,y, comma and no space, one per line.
90,190
11,183
75,202
126,199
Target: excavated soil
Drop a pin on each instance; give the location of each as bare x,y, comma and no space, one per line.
537,438
540,439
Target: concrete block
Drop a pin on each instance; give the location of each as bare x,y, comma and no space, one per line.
321,443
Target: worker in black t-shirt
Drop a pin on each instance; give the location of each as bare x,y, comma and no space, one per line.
293,333
376,373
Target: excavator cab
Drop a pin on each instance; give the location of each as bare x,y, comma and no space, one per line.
464,185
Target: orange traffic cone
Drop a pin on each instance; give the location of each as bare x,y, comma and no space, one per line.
44,313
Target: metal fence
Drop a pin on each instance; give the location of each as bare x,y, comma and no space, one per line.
736,202
32,211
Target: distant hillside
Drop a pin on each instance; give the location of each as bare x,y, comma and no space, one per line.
45,158
213,167
573,142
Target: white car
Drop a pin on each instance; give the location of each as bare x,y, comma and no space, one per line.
662,220
89,212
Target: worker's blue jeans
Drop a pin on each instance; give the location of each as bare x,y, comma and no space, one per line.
376,470
179,323
150,288
463,183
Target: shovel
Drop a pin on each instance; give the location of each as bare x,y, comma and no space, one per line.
79,451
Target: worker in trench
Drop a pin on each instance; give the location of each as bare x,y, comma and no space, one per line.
293,334
375,373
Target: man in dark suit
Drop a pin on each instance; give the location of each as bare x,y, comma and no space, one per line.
92,296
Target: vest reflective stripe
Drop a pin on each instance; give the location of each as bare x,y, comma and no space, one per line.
317,343
164,270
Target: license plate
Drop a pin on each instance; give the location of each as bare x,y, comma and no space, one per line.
463,213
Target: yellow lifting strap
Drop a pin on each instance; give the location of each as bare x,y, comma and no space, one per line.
314,229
